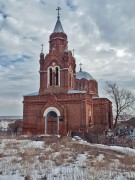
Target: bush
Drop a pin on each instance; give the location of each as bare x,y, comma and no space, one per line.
14,127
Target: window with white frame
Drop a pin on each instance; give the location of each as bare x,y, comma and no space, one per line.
53,72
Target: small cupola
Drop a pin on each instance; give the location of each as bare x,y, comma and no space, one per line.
58,39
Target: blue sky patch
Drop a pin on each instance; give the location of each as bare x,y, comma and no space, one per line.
70,4
6,61
5,15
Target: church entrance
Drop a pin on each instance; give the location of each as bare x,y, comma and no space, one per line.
52,123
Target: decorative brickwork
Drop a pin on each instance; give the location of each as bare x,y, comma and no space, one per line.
66,101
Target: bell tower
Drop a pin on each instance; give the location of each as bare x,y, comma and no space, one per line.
57,68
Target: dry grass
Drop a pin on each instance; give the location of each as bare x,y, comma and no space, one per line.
14,161
127,163
51,139
12,145
126,143
59,160
29,155
2,155
63,151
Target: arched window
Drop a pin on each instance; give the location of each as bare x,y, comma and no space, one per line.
50,76
53,76
57,76
51,114
89,116
85,87
82,85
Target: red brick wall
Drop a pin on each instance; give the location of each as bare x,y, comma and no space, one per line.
102,112
91,86
75,105
65,60
72,107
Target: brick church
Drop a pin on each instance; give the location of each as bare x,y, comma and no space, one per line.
67,101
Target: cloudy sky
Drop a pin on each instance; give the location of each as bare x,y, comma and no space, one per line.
102,32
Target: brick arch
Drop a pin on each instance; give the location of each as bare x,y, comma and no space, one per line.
56,61
51,109
52,102
51,123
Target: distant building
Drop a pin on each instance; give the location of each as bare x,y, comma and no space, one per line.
67,100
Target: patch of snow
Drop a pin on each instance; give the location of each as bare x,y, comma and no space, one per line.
37,144
77,137
82,157
125,150
48,149
4,124
17,166
56,154
49,135
11,177
100,157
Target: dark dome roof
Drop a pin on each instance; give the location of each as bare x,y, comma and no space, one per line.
84,75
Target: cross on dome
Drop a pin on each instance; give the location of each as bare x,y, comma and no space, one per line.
58,9
58,27
80,66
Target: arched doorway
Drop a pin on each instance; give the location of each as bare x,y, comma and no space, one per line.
52,123
51,115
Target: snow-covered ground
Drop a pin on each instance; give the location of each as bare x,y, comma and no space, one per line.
4,123
56,158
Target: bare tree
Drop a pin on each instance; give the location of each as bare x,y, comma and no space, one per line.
15,126
122,99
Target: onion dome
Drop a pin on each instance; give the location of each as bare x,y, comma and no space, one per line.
84,75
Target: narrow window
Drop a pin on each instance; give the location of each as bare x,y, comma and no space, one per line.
57,76
50,75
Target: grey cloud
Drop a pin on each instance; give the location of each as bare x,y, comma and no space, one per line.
115,21
97,30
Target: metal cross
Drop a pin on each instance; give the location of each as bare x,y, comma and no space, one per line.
73,52
58,9
42,48
80,66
